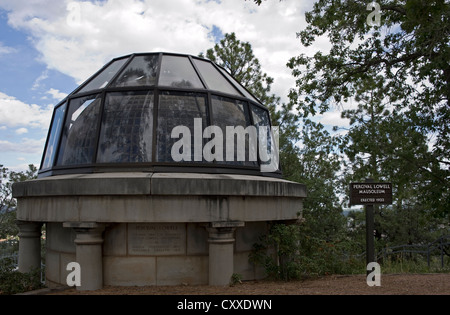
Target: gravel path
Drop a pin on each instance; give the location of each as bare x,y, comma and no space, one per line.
392,284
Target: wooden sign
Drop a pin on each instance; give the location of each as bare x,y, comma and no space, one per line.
370,193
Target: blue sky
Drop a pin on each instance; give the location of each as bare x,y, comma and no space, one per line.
49,47
28,93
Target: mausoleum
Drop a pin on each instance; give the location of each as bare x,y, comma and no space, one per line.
160,169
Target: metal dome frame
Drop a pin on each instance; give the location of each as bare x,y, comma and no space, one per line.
96,91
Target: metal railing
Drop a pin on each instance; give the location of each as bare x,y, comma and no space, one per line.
438,247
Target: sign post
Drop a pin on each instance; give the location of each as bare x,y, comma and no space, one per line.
369,194
370,227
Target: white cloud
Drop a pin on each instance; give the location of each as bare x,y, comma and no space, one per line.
15,113
21,131
6,50
39,79
105,30
56,94
333,118
26,145
77,38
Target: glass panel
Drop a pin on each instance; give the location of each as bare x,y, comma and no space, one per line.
180,109
238,86
140,72
260,116
126,131
239,143
54,136
178,72
214,80
80,130
103,78
268,152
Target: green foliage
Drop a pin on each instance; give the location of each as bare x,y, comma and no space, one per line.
290,252
399,76
404,263
7,202
318,168
13,281
236,278
238,58
298,251
278,252
388,139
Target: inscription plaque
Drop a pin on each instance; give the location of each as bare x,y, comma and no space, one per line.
156,238
370,193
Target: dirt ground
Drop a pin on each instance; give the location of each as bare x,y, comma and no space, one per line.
391,284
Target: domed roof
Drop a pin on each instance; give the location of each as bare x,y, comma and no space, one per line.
160,112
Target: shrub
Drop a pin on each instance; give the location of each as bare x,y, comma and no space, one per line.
12,281
278,252
288,253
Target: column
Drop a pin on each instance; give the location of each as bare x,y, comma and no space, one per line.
221,251
88,241
29,245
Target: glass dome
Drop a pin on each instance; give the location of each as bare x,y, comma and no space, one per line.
160,112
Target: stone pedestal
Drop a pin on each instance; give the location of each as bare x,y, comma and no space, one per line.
221,251
88,241
29,245
156,225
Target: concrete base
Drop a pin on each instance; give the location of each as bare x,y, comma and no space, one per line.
136,229
133,255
